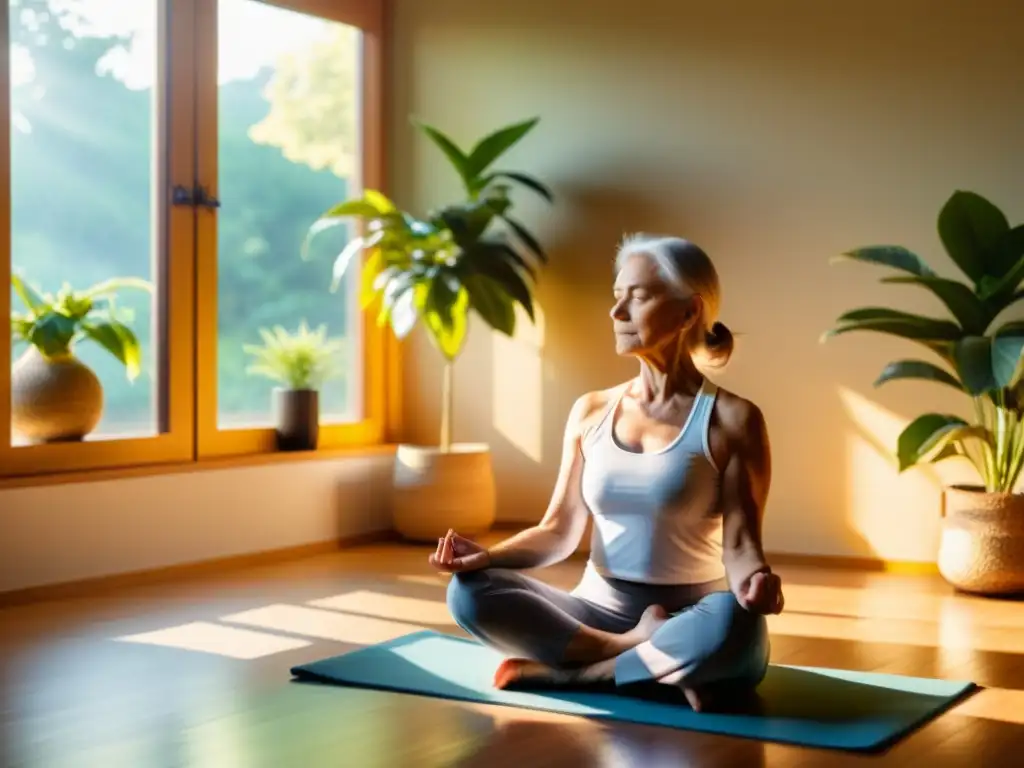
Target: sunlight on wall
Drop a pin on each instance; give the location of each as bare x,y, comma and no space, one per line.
224,641
896,514
517,391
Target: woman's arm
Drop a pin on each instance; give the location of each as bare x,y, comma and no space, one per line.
745,483
558,534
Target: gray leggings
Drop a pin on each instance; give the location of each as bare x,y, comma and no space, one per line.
709,640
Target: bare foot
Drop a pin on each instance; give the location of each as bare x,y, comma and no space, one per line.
697,701
524,673
649,623
511,671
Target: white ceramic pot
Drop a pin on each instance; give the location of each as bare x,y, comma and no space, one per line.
982,545
54,399
436,490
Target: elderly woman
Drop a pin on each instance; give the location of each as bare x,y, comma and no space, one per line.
674,473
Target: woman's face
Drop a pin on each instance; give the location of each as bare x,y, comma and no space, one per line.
647,315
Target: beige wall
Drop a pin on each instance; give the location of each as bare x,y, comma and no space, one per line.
60,533
775,139
774,134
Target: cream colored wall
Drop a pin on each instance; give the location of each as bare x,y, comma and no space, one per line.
60,533
775,135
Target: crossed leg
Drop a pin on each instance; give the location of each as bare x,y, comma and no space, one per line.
558,639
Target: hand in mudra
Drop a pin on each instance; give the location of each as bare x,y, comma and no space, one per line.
762,593
456,554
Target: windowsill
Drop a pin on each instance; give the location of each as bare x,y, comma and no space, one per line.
202,465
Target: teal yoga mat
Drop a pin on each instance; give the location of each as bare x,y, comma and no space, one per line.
813,707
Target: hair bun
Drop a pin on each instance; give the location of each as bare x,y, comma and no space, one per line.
719,343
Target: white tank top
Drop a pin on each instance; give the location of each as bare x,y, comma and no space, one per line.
656,514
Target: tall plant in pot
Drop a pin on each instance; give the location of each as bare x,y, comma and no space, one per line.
976,351
468,256
300,363
55,397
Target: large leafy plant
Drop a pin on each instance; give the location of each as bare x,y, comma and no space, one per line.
978,351
470,255
54,323
301,360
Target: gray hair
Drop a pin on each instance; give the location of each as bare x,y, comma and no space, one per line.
687,270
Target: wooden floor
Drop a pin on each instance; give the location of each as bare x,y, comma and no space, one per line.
196,674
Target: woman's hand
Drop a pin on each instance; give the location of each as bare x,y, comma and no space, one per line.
456,554
762,593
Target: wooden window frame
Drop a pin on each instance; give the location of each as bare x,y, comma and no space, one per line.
186,301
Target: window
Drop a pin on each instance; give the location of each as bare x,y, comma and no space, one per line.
185,145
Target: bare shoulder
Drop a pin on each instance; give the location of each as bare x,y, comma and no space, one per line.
737,414
741,423
590,408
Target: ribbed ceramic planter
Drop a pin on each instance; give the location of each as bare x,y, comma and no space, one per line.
296,419
436,490
982,545
54,399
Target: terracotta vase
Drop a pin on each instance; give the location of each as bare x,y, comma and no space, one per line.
436,490
54,399
982,545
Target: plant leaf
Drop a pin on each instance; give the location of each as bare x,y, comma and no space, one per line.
528,239
493,146
927,433
971,228
1007,345
916,369
120,341
372,267
466,221
893,256
445,313
990,363
962,302
53,332
31,298
1008,250
458,160
937,335
379,201
372,204
492,303
344,261
509,278
972,357
108,287
403,312
1006,286
521,178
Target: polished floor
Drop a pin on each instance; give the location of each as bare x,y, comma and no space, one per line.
195,673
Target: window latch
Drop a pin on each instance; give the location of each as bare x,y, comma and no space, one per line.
197,196
205,199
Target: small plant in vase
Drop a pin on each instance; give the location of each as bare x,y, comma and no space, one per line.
55,397
978,352
301,363
468,256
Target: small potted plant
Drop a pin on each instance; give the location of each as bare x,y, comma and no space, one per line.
979,354
471,255
300,363
55,397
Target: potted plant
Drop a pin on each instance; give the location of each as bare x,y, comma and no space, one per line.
979,354
470,255
300,363
55,397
